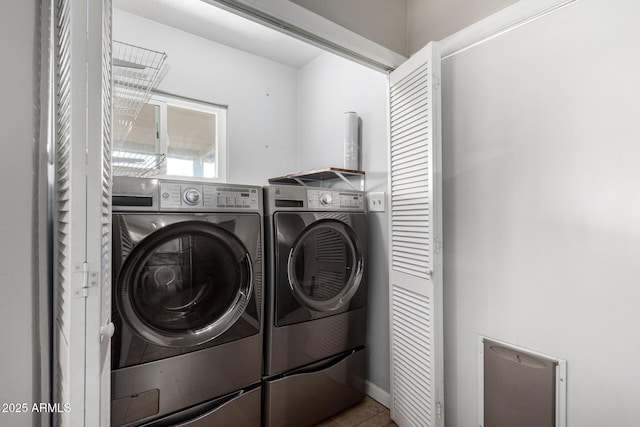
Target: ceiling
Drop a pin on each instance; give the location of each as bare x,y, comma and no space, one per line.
218,25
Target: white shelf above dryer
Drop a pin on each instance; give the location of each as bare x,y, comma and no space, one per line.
318,177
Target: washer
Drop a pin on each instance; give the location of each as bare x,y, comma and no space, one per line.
187,303
316,305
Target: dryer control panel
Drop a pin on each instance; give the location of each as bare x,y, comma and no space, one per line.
334,199
191,196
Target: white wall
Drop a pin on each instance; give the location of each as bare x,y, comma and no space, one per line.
19,21
260,94
541,206
327,87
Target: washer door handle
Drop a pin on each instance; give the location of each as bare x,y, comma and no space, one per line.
360,265
291,279
247,259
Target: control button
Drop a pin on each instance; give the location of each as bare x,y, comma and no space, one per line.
208,196
170,195
231,201
191,196
326,199
222,201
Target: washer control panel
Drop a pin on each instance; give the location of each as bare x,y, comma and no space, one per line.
190,196
332,199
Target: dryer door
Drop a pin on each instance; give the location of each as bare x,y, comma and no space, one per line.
324,266
184,284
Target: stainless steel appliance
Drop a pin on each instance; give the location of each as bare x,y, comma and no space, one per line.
316,306
187,303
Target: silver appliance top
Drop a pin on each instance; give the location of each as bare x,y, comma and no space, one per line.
155,195
295,198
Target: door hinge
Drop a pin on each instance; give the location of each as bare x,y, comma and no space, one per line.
438,409
436,82
437,245
89,279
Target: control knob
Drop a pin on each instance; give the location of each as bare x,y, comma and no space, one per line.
191,196
325,199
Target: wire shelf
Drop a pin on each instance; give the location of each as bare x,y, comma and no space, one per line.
136,72
136,164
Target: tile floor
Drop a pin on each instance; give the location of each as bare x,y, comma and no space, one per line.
367,413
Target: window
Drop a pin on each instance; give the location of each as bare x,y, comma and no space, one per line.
175,137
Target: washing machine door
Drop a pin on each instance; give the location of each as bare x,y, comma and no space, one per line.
324,265
184,284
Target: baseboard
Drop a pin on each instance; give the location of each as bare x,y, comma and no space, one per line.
378,394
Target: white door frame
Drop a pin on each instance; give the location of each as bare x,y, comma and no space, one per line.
82,262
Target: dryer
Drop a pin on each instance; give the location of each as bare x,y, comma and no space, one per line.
187,303
316,306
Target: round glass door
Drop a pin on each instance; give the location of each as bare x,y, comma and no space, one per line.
325,266
185,284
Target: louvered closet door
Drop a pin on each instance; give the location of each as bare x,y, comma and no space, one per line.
416,259
82,262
